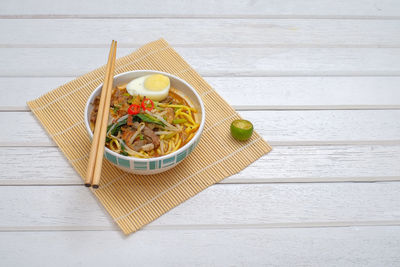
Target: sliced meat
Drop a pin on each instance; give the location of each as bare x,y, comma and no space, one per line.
129,121
138,145
169,115
152,126
148,147
177,98
169,99
135,125
93,115
127,133
151,136
123,110
119,98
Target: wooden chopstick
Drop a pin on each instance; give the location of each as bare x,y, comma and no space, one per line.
99,135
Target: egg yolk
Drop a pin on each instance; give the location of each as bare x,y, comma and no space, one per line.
156,82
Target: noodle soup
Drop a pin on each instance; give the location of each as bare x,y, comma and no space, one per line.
155,128
153,132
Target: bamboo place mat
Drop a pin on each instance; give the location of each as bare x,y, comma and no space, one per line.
135,200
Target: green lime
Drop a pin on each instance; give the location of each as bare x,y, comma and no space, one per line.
241,129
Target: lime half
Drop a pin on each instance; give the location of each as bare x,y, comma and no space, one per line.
241,129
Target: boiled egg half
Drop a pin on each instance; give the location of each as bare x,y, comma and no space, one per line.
154,86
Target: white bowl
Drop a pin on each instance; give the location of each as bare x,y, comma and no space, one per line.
158,164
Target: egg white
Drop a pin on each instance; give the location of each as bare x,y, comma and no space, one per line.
136,87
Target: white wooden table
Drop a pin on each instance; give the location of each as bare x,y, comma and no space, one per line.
320,81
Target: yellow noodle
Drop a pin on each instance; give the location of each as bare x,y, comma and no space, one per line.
169,136
170,146
189,138
189,118
177,113
191,129
177,146
116,143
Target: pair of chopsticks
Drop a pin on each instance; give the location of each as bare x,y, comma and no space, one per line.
99,135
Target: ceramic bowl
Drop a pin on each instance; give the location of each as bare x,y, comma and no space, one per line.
158,164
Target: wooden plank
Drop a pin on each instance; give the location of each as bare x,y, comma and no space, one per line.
210,8
323,164
350,246
209,32
47,165
266,92
279,127
266,205
308,92
211,62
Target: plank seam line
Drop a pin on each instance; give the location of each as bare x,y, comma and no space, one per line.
203,76
308,180
204,45
197,16
242,74
245,181
339,224
187,178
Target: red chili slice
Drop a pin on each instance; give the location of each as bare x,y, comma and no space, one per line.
133,109
145,104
